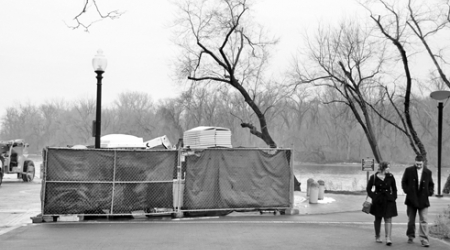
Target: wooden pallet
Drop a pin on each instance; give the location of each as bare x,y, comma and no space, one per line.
58,218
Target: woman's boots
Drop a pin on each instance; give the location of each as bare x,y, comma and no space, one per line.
377,226
388,229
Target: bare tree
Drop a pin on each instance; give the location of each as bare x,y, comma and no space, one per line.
339,126
220,46
134,114
83,114
172,120
428,24
393,26
10,124
55,130
349,61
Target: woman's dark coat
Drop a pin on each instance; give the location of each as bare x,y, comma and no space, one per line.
417,196
383,197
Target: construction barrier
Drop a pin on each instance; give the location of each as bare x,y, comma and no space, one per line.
101,181
124,181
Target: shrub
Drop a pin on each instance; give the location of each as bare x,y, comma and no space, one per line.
441,229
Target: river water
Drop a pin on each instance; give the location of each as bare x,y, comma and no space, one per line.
350,177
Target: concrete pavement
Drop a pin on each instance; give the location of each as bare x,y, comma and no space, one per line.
261,233
334,223
18,202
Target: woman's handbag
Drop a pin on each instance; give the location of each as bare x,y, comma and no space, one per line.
366,206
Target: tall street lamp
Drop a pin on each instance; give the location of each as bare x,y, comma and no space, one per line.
99,63
440,96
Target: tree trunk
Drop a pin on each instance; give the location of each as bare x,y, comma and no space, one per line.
264,133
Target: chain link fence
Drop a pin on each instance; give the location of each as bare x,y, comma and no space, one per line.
153,182
108,182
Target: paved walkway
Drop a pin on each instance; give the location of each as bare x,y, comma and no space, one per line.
334,223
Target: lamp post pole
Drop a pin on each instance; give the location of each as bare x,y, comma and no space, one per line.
440,96
440,108
98,114
99,63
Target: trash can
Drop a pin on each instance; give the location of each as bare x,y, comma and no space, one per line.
321,189
308,186
314,193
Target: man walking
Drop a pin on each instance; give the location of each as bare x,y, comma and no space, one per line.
417,183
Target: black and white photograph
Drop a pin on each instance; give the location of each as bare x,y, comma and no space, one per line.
224,124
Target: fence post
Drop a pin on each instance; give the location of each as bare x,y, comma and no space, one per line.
113,183
292,188
291,209
44,171
178,185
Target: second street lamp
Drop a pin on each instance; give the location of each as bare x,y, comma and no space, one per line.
99,63
440,96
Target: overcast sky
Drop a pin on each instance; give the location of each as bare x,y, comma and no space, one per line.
41,59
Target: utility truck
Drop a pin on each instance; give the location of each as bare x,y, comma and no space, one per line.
13,160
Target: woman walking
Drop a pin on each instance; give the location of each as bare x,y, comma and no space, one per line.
383,200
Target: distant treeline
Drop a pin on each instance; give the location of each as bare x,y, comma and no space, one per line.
316,131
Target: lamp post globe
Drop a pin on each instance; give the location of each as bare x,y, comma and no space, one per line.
440,96
99,64
99,61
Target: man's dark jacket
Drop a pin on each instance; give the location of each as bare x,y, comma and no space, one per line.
417,196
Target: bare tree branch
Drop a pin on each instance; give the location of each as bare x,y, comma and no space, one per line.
416,28
115,14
